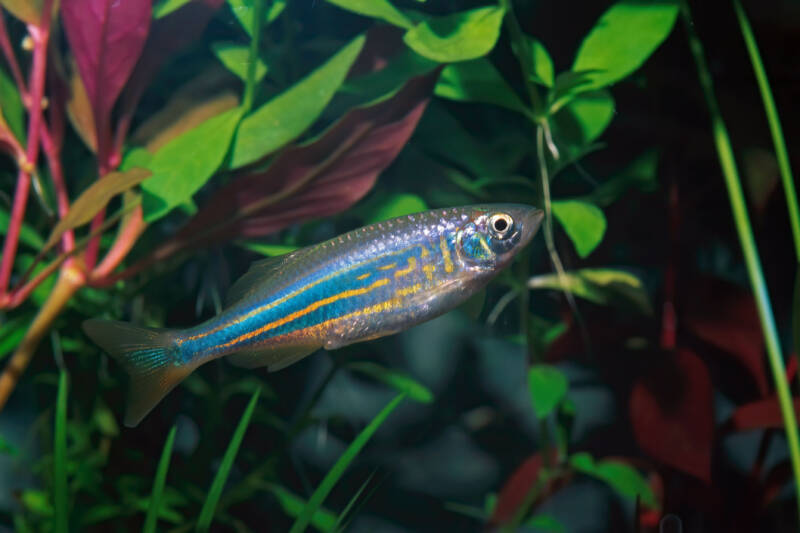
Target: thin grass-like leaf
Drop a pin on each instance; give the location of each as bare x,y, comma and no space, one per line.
158,484
752,261
341,523
210,505
333,475
60,456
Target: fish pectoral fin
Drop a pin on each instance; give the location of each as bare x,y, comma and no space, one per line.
259,273
272,357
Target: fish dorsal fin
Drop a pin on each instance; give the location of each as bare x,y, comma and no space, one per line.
259,273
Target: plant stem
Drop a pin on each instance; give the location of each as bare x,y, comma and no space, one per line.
14,226
523,52
69,281
752,261
8,51
252,63
128,234
774,124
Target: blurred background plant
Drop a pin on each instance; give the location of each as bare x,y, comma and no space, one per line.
614,376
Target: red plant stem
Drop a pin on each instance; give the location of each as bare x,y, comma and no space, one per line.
12,236
133,227
8,51
53,154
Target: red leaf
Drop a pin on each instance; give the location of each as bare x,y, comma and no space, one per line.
106,37
725,315
762,414
672,414
316,179
168,35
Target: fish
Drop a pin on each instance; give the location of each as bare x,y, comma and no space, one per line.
368,283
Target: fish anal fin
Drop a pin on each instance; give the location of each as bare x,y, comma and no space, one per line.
275,358
259,272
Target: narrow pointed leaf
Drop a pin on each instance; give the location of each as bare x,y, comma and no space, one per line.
293,505
11,106
27,235
27,11
95,198
377,9
623,478
624,37
333,475
584,223
599,285
243,11
289,114
165,7
236,58
210,505
156,495
60,502
542,70
397,380
457,37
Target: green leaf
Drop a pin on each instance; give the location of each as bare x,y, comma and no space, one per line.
186,163
333,475
270,250
584,223
457,37
621,477
624,37
236,57
27,11
210,505
95,198
599,285
548,386
477,81
396,205
377,9
289,114
795,315
60,457
243,11
37,502
545,522
382,83
542,71
27,235
104,419
11,106
164,8
293,506
156,495
640,173
593,112
397,380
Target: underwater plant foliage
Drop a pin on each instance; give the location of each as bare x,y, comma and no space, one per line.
633,367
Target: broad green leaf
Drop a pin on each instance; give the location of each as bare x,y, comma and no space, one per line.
95,198
388,80
293,505
396,205
212,498
624,37
542,70
621,477
289,114
333,475
599,285
270,250
136,157
593,112
165,7
457,37
584,223
377,9
545,523
157,493
243,11
640,173
27,11
567,85
236,58
27,235
477,81
11,106
548,386
186,163
60,494
397,380
37,502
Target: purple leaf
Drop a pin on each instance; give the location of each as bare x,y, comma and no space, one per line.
106,37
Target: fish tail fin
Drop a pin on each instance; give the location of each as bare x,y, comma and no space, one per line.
150,356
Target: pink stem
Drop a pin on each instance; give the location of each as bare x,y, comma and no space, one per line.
5,44
53,154
125,240
40,36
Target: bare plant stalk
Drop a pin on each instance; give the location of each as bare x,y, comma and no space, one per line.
8,52
128,234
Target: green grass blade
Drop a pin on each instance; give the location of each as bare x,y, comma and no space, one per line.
210,505
333,475
158,484
774,121
749,250
60,456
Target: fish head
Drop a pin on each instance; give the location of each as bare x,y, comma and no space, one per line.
494,234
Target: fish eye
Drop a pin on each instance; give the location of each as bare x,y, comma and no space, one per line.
500,225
